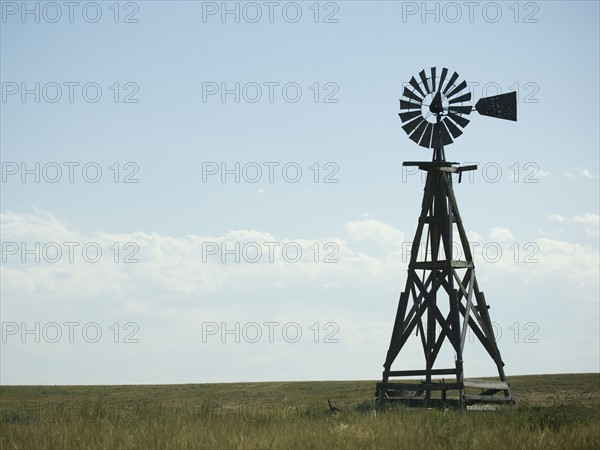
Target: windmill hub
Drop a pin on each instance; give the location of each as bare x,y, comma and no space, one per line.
434,105
442,299
439,104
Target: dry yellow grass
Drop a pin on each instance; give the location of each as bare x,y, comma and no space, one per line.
553,412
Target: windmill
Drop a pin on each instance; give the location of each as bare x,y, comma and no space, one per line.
442,300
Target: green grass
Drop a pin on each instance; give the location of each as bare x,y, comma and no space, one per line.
552,412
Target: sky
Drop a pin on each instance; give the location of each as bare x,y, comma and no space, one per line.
199,192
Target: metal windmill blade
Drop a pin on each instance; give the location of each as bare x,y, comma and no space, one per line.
432,109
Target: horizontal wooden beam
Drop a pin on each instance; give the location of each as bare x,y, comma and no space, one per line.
442,264
419,387
479,384
429,164
423,372
488,398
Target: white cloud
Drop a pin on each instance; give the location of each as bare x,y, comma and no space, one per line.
240,259
171,290
590,221
500,234
474,236
161,265
587,219
39,222
373,230
575,263
584,172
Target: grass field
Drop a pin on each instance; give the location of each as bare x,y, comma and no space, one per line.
552,412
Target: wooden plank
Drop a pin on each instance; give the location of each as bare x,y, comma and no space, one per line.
425,205
480,334
463,333
441,264
410,321
440,340
441,386
411,386
397,392
448,169
461,283
400,316
398,342
429,164
422,372
482,408
433,308
401,389
420,387
479,384
450,226
487,398
444,214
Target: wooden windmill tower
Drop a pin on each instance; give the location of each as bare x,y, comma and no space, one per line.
442,299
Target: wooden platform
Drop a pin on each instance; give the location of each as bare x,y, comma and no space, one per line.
442,393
